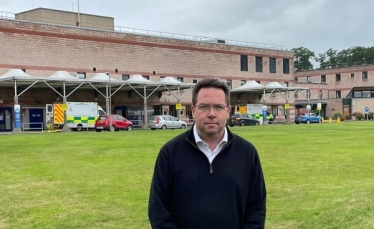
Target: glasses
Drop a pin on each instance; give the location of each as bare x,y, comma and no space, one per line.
206,107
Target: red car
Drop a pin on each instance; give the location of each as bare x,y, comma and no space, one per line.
113,122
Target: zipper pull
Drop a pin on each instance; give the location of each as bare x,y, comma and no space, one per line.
211,168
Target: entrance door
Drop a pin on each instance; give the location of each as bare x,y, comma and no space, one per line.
36,118
6,119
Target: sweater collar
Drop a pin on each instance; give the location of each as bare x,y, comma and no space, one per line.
191,136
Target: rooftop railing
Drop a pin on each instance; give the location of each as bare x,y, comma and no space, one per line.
136,31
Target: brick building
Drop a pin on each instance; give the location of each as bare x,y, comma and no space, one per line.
340,90
41,48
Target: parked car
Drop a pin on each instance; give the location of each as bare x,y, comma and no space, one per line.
113,122
303,118
164,122
243,120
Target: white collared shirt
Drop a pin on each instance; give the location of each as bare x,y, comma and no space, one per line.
204,147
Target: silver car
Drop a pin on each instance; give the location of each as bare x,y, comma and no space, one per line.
164,122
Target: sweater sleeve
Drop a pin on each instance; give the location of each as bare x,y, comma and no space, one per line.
159,207
256,205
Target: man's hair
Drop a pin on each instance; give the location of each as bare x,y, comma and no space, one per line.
210,83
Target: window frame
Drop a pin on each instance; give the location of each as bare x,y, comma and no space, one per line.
243,63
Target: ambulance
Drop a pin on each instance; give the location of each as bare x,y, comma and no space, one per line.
79,115
255,110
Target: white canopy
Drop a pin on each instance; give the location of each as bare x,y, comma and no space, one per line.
15,72
102,76
169,80
62,75
251,85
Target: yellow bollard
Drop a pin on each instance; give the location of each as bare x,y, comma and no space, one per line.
322,120
330,120
338,120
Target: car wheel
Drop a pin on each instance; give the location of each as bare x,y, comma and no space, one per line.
242,124
98,130
79,127
112,128
163,127
129,128
257,123
153,128
183,126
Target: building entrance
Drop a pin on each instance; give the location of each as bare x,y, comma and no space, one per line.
6,119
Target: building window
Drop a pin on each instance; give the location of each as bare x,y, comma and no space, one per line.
229,83
357,94
285,84
243,63
338,94
242,82
366,94
323,79
81,75
146,77
320,95
258,64
295,79
194,81
286,66
337,77
352,75
272,65
309,79
296,94
364,75
258,81
125,77
162,77
180,79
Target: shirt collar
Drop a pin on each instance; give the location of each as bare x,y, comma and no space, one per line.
198,139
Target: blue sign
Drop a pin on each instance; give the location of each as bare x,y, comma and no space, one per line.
17,116
264,113
366,110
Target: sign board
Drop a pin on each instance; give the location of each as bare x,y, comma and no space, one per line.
319,106
308,107
366,110
287,106
64,107
178,106
17,116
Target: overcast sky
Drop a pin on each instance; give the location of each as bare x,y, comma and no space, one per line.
315,24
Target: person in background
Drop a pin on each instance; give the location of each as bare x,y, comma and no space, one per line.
208,177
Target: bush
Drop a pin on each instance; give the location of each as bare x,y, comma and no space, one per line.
371,115
360,116
336,115
347,117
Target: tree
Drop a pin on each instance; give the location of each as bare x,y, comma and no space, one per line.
353,56
302,58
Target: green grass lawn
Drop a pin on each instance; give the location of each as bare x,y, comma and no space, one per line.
317,176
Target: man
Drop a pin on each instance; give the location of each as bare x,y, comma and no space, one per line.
208,177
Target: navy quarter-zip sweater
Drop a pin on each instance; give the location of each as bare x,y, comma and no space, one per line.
187,192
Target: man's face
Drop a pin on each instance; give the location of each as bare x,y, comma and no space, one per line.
210,113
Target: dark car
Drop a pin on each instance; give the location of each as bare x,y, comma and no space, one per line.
242,120
304,118
113,122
